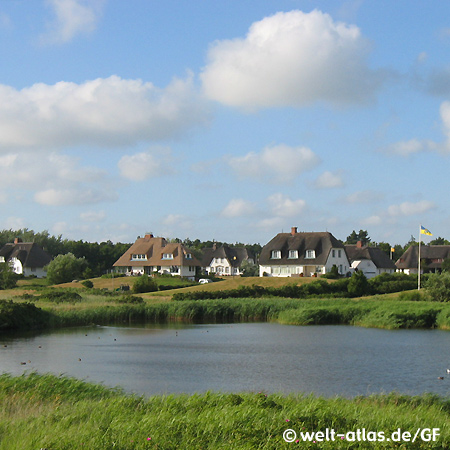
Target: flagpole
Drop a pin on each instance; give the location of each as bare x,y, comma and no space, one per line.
418,282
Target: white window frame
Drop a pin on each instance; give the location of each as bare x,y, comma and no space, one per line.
276,254
310,254
293,254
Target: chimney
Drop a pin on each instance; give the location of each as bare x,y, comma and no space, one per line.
148,236
17,240
294,231
359,244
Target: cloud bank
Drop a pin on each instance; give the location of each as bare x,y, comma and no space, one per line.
106,112
291,59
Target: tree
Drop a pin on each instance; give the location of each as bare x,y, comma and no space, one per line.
439,241
65,268
362,236
8,278
249,269
358,285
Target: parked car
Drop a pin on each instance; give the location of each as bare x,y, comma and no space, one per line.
204,281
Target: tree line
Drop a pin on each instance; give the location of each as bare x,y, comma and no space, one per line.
100,257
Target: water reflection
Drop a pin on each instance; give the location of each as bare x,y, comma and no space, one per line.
326,360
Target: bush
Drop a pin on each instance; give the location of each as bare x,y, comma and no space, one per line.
22,316
65,268
61,296
358,285
88,284
130,300
438,287
144,284
333,274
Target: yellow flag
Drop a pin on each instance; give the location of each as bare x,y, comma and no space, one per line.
423,230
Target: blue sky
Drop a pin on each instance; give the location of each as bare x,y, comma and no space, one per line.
230,121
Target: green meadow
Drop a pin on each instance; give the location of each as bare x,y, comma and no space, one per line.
61,413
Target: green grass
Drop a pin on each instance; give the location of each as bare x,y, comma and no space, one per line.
385,311
60,413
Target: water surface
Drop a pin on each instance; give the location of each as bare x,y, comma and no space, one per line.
325,360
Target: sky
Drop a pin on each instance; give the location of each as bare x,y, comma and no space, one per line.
229,121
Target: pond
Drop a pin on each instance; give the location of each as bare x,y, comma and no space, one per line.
268,357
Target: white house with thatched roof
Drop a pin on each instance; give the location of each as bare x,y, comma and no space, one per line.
151,254
302,254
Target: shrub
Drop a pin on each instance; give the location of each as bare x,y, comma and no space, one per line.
130,299
144,284
333,274
61,296
438,287
358,285
88,284
65,268
22,316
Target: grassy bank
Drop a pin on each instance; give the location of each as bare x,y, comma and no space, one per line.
379,312
58,413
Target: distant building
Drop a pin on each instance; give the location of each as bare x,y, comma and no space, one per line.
225,260
302,254
25,258
151,254
432,257
372,261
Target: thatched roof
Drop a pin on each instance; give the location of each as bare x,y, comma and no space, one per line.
234,255
154,248
28,253
435,254
320,242
374,254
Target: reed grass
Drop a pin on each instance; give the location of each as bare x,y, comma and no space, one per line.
61,413
384,311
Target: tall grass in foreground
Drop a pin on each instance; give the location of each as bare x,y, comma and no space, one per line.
45,411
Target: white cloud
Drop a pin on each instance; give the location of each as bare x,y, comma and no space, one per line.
54,178
141,166
291,59
283,206
329,180
237,208
365,196
410,208
93,216
109,112
280,163
79,196
372,220
72,17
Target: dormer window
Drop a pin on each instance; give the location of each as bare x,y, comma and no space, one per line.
293,254
276,254
310,254
188,256
138,257
167,256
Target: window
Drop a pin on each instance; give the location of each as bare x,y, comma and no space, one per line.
339,253
167,256
188,256
293,254
138,257
310,254
333,253
276,254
